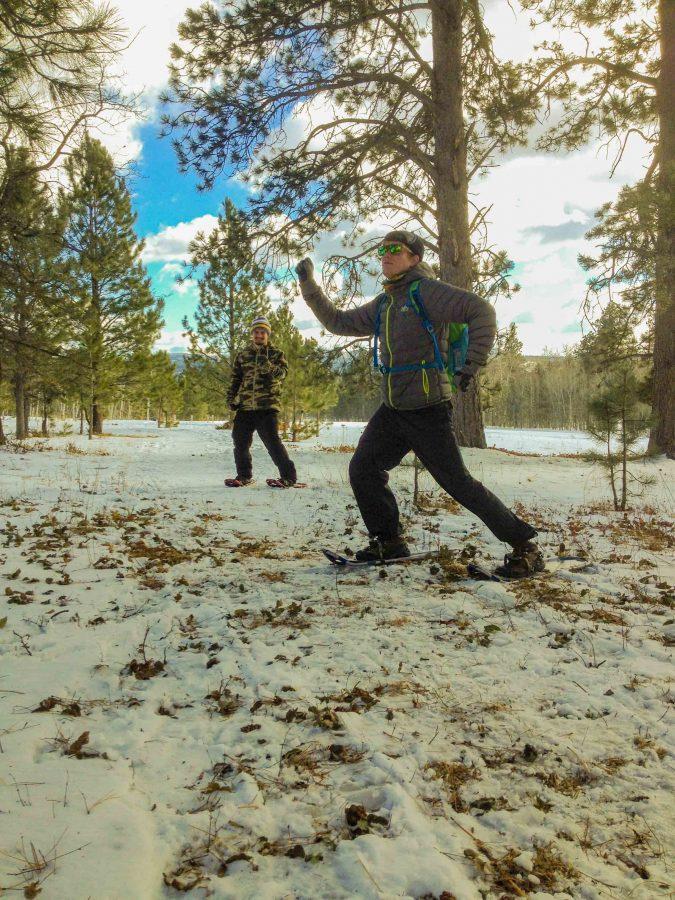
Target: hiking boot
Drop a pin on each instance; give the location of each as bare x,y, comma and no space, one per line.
523,561
379,549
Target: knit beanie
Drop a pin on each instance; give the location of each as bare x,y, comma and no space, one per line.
408,238
261,322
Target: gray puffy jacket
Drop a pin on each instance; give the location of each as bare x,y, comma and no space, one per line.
403,339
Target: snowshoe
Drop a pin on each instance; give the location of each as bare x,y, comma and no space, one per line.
480,573
522,562
238,482
343,561
381,551
285,483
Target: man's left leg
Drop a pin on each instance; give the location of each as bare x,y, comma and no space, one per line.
433,439
268,430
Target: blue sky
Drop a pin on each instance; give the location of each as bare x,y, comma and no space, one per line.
163,197
541,206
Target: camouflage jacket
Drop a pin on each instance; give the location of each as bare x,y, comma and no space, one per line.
257,377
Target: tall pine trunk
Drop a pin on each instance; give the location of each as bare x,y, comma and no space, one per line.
97,418
662,436
21,429
230,324
96,425
452,188
624,459
3,439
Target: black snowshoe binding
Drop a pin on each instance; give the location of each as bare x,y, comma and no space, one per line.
522,562
380,550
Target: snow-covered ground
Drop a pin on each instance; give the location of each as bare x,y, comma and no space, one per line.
191,699
543,441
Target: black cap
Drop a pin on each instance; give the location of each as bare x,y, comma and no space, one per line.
411,241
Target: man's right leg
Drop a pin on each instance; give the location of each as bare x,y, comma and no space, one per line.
381,448
242,437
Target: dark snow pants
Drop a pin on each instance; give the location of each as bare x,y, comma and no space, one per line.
266,423
428,432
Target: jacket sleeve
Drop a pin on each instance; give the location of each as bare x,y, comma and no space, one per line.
236,379
279,368
445,304
358,322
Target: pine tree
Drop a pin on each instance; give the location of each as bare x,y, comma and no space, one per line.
387,134
163,388
51,381
4,388
56,58
619,416
31,281
503,381
321,380
198,401
619,419
621,84
287,337
113,312
311,384
232,292
623,266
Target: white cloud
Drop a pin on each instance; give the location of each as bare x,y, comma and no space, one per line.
186,288
533,197
152,25
171,340
171,244
171,269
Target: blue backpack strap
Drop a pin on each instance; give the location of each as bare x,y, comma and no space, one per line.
378,322
415,302
418,306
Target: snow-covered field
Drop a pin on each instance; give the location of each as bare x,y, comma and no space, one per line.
191,699
544,441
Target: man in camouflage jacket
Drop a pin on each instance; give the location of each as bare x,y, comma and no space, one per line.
254,395
416,413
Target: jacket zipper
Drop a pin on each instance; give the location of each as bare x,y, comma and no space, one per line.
255,375
391,355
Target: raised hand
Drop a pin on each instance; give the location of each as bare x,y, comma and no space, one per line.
305,269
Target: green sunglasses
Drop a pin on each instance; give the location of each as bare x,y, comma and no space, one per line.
394,249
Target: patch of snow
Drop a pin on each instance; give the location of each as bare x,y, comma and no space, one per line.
454,722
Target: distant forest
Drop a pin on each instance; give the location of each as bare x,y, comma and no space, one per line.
517,391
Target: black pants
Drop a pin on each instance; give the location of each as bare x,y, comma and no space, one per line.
388,437
266,423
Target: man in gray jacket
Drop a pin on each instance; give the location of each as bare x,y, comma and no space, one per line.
416,413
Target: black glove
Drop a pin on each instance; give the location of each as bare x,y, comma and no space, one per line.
463,380
305,269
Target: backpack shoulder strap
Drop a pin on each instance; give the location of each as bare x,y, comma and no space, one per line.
417,304
376,332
